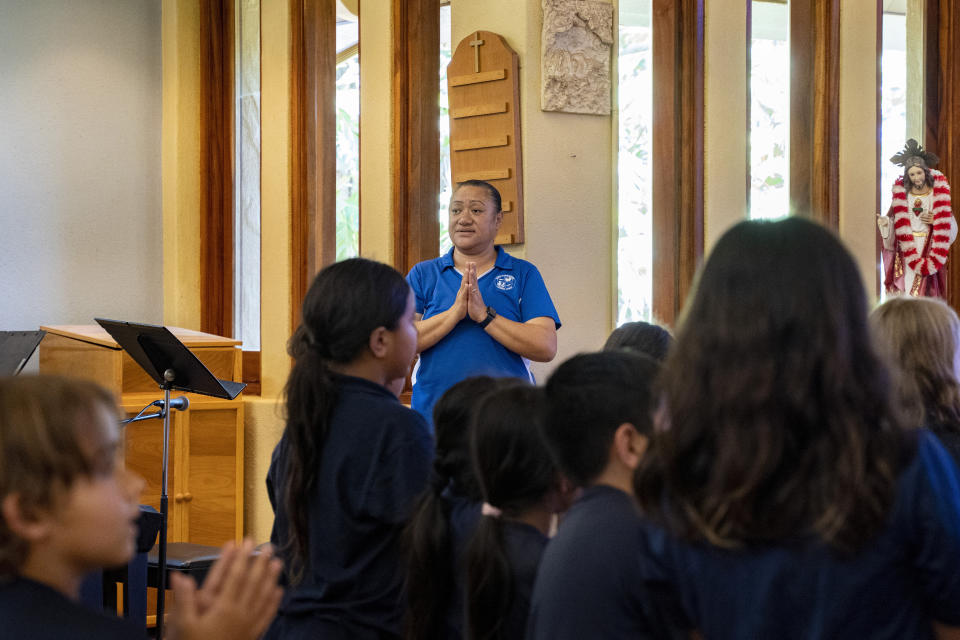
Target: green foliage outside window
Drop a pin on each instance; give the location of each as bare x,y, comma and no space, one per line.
348,158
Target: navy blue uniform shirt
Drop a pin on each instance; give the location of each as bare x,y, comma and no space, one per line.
908,574
375,461
33,610
590,583
525,545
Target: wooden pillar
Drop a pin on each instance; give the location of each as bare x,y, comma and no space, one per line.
216,165
313,140
677,152
416,136
942,104
815,109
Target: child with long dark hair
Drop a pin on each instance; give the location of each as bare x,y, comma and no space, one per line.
522,490
445,518
794,502
921,337
352,459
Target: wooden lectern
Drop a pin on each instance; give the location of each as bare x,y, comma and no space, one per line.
206,441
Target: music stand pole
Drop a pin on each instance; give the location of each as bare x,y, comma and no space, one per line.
168,377
172,366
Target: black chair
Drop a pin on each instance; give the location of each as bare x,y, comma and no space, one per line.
133,577
190,559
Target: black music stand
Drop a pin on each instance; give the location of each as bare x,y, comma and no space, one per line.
16,347
172,366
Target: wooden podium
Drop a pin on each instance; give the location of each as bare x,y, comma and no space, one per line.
206,441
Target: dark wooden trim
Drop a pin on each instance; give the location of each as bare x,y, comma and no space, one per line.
931,72
942,102
690,151
313,161
416,136
878,202
678,146
216,165
251,372
815,110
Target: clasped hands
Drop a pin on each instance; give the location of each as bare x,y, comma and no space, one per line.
469,301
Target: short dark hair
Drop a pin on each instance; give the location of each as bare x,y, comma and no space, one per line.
588,397
780,416
491,191
642,337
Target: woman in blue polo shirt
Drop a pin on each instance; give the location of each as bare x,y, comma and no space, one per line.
480,311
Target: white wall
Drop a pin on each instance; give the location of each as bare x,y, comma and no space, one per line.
80,216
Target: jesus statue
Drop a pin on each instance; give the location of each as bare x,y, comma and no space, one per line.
919,227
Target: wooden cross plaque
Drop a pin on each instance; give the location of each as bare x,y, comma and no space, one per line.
484,92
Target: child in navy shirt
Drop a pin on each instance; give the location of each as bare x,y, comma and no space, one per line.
590,583
69,508
352,459
921,339
791,498
522,490
445,518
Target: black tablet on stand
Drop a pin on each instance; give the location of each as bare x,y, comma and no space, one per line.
16,347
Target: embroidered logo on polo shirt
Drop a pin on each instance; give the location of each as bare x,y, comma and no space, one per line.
505,282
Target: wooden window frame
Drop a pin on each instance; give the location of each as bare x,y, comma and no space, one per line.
678,129
217,179
942,106
313,159
416,136
216,165
815,110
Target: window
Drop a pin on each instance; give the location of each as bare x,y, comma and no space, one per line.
446,182
246,300
769,110
893,100
348,140
634,197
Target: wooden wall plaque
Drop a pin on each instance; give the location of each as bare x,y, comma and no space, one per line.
484,92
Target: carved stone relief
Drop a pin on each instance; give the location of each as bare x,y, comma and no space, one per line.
575,58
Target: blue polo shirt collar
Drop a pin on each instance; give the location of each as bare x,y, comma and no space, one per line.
504,260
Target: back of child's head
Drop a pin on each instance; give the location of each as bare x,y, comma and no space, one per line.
640,337
516,473
513,466
427,537
919,338
452,415
43,421
588,397
779,409
346,302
